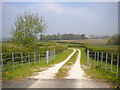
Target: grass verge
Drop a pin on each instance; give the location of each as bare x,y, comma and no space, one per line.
97,72
25,71
63,71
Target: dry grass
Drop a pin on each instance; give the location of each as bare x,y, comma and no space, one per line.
87,41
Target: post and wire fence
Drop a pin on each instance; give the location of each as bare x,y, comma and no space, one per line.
105,60
17,59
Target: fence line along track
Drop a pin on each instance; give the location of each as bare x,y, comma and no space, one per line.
105,60
17,59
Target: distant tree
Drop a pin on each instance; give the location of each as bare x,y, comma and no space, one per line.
114,40
42,37
99,36
82,36
27,26
94,36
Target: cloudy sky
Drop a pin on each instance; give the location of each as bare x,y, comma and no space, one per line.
98,18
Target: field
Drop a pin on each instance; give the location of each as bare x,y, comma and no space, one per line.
93,44
86,41
103,48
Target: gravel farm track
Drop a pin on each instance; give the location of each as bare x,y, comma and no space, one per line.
77,78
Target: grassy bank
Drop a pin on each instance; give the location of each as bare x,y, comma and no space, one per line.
97,72
25,71
63,71
38,46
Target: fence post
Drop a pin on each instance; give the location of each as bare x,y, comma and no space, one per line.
117,63
111,61
22,58
50,56
54,53
101,58
87,56
29,58
106,60
47,56
13,59
2,65
39,56
97,57
34,57
94,59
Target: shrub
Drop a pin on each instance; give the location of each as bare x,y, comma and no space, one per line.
114,40
8,48
103,48
60,48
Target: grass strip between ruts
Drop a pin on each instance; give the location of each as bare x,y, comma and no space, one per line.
63,71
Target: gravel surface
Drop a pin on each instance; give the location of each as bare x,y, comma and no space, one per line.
76,71
50,73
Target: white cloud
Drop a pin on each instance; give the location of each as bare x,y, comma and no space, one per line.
57,9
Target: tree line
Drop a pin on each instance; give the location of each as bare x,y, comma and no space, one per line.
63,37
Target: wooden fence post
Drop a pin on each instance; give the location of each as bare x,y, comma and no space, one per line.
2,65
101,58
54,53
111,61
29,58
87,56
47,56
13,60
106,60
117,63
95,59
1,69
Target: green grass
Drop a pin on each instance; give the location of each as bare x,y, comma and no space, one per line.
83,56
106,46
103,48
93,44
63,71
97,72
25,71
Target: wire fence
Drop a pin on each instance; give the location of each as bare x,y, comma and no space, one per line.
105,60
17,59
